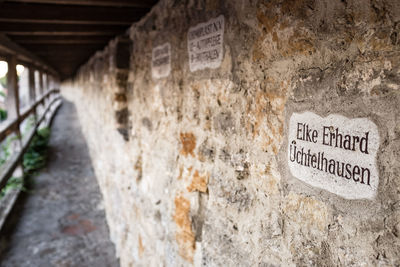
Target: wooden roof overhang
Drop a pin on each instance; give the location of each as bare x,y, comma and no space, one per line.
63,34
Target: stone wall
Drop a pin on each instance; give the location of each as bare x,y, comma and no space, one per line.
193,166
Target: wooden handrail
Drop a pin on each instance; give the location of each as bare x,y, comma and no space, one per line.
8,169
12,125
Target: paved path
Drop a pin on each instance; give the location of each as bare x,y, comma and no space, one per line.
62,221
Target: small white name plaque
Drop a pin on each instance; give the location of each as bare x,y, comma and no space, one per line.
205,44
161,61
334,153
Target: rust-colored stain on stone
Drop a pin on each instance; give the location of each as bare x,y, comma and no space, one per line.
140,246
136,211
199,183
266,117
180,172
267,169
185,237
190,169
267,20
306,210
272,185
274,18
138,168
188,141
265,114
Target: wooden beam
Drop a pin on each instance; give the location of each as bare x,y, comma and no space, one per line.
43,29
70,64
63,14
60,40
111,3
63,47
8,47
60,33
58,55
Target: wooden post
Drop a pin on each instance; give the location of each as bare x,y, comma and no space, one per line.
32,92
47,82
41,107
12,99
41,82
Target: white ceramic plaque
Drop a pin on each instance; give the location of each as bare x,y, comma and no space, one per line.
161,61
205,44
334,153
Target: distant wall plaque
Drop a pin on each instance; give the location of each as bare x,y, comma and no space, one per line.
205,44
161,61
334,153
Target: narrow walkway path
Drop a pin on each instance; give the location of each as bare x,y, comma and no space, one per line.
62,222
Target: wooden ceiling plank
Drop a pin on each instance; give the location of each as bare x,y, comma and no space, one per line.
18,28
50,33
95,21
60,40
45,13
109,3
63,47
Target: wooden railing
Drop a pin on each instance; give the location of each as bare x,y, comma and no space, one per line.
53,100
49,100
14,126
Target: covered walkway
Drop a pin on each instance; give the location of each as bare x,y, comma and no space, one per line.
61,221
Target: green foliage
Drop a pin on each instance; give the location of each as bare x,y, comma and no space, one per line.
3,81
28,126
5,148
5,151
34,159
13,183
36,156
3,114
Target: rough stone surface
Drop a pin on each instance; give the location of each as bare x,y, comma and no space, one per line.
61,221
198,174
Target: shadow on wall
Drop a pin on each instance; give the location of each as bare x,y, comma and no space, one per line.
122,57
